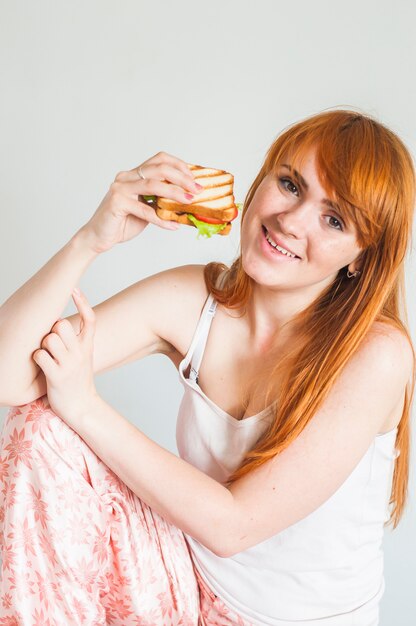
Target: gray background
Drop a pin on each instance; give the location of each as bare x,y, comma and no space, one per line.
93,87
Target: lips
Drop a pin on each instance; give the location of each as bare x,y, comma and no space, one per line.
279,242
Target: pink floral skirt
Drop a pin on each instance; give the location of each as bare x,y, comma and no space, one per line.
78,547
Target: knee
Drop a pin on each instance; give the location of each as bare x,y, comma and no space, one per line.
35,439
30,426
33,416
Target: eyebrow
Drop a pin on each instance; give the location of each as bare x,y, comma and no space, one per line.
332,205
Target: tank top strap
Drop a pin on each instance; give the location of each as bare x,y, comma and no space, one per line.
199,340
202,339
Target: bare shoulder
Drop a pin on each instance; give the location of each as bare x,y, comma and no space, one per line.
390,347
167,304
385,360
182,295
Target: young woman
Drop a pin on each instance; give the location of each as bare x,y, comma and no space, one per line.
293,431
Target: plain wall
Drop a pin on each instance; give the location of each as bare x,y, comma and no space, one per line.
90,88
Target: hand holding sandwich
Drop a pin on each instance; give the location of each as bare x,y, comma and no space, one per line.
212,210
123,214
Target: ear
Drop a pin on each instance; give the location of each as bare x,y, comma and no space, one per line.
353,266
356,264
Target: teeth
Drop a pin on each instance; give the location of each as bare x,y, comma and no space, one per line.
275,245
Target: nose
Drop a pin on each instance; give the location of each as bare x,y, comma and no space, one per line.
295,221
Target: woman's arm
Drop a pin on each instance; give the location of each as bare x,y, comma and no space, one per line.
181,493
282,491
135,323
28,315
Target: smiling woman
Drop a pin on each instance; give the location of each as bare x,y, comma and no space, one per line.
293,431
360,231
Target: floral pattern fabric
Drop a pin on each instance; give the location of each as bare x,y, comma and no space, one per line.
78,547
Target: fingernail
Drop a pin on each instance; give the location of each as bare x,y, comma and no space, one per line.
198,186
76,291
189,196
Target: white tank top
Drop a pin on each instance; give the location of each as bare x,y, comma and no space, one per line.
328,567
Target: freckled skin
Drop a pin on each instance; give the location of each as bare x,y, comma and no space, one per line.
306,226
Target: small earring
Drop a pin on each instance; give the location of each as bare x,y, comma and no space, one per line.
354,274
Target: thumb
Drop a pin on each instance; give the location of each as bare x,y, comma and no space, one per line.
87,315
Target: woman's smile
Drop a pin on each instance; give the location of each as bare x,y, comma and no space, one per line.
270,250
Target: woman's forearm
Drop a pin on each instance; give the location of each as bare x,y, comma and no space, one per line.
181,493
29,313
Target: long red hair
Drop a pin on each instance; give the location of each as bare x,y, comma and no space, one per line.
368,171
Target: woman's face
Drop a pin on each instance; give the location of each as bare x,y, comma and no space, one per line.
294,211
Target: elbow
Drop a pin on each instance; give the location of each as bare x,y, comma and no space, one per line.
226,551
224,547
232,543
223,552
233,537
222,535
217,543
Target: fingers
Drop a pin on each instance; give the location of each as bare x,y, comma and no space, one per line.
157,188
46,362
147,212
166,172
136,208
170,159
64,329
87,315
162,172
166,182
53,345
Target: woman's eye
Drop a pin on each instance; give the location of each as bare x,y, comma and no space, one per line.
288,185
340,224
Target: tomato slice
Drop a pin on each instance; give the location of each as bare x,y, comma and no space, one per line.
211,220
208,220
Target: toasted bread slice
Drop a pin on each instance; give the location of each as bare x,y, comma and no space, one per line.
211,193
220,209
213,180
183,219
199,171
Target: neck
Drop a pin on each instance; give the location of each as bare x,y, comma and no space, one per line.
269,315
